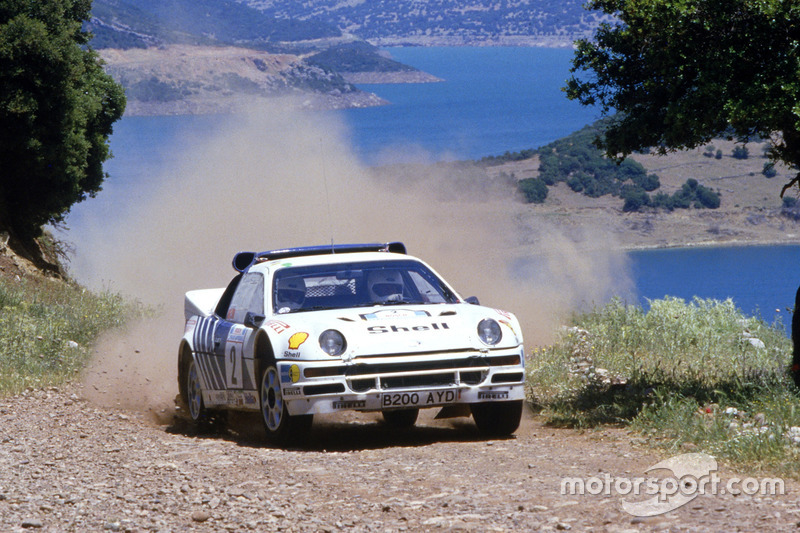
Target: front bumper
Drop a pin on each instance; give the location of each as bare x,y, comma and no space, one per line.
407,381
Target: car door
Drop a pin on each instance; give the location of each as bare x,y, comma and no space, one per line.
233,346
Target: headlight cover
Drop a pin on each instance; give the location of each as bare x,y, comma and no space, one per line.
489,331
332,342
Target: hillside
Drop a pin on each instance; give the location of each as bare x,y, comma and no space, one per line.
446,22
750,212
211,56
184,79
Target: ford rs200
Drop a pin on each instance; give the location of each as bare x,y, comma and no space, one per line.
364,327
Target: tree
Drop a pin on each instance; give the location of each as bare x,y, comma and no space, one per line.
740,152
678,73
57,107
534,190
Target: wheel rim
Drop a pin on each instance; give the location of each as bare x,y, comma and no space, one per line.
271,399
195,393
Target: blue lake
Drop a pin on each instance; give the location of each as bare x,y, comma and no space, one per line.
492,100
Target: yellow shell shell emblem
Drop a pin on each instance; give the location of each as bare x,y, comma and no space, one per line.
297,339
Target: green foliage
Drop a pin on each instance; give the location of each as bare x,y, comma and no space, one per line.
671,372
635,199
534,190
47,330
356,57
491,160
154,90
691,194
57,107
740,152
576,161
716,68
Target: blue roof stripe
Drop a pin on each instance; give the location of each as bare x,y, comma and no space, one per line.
244,260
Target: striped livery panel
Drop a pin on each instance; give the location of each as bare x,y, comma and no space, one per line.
212,376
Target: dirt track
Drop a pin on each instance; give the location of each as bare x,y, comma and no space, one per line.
69,465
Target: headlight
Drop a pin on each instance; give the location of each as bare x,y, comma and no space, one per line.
332,342
489,331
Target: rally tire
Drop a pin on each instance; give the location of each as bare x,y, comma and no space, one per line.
281,427
400,418
497,419
194,397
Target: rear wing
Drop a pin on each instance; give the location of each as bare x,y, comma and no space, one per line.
244,260
201,302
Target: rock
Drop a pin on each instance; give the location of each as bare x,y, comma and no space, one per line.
32,523
757,343
200,516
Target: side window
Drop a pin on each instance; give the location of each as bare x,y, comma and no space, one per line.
249,297
225,302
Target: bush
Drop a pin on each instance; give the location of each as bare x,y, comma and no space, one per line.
635,199
698,372
534,190
769,170
706,198
47,329
740,152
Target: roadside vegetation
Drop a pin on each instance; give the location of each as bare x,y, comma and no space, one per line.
687,376
48,328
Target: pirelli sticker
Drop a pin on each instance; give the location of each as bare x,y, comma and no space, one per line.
493,395
352,404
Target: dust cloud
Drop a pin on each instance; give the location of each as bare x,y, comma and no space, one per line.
276,178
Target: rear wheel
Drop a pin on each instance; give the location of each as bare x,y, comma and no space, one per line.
203,418
497,419
400,418
282,428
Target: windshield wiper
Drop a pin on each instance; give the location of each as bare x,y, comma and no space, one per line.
401,302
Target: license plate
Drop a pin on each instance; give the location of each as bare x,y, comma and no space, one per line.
419,398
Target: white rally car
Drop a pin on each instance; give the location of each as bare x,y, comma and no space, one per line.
360,327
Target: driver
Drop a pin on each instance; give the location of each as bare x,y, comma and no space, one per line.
385,286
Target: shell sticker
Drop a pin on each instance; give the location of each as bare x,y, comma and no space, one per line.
297,339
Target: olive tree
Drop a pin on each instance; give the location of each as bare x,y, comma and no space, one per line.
57,107
674,74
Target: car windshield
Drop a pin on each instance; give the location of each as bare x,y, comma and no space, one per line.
357,284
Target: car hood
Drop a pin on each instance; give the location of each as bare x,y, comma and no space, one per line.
390,330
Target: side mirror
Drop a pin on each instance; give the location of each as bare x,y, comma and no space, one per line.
473,300
252,320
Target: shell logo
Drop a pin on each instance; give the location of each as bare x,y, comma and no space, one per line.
297,339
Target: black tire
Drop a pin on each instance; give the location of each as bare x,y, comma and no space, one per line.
497,419
281,427
400,418
194,397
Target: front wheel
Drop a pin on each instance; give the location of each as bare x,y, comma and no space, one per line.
282,428
497,419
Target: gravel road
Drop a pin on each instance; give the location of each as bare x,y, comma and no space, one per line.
69,464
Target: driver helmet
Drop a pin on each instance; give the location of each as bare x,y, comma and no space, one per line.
290,294
385,285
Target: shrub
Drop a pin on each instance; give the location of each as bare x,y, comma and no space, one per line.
534,190
740,152
769,170
635,199
698,372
